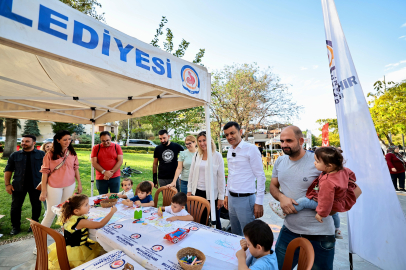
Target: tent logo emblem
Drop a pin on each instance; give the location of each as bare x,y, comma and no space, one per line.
190,79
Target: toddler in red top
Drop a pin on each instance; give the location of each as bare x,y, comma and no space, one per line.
332,191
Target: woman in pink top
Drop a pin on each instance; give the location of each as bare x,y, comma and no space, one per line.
58,180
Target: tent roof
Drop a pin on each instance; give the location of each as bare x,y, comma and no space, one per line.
45,77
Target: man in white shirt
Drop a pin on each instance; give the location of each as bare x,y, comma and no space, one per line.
244,169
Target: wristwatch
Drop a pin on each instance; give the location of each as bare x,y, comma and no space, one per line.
103,171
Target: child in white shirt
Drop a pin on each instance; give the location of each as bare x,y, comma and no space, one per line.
177,208
127,193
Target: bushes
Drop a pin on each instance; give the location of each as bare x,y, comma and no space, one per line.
137,150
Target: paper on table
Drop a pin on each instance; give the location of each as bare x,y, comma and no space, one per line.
219,246
97,215
163,225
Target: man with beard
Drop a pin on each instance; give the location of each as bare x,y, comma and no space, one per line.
245,178
166,155
26,165
294,173
107,159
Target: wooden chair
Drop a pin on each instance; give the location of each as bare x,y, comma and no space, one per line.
306,254
167,194
40,235
196,205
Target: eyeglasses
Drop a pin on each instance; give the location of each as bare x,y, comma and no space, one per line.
187,144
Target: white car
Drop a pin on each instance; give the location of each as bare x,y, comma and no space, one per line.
225,148
141,143
48,140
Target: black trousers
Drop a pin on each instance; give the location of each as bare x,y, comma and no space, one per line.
18,198
401,177
202,193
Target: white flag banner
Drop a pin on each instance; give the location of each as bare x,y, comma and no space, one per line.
376,223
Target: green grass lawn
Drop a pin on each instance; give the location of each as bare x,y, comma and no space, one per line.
142,162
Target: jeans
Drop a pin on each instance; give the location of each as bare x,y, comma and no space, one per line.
17,202
113,184
306,203
401,177
241,212
323,251
164,182
202,193
183,186
336,219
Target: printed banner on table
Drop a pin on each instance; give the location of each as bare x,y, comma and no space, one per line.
376,223
115,259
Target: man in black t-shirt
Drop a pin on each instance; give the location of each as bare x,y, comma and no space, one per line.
166,155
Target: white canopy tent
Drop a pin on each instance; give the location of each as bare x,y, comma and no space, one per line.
58,64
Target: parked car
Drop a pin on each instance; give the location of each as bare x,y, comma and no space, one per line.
141,143
19,140
48,140
225,148
2,139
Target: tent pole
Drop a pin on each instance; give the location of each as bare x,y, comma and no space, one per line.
210,161
210,154
92,168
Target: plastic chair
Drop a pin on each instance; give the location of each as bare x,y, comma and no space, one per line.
196,205
306,254
167,194
40,235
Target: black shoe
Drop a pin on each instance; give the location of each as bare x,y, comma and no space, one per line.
397,189
15,231
29,230
402,190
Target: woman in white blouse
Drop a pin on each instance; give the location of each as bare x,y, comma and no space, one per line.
199,181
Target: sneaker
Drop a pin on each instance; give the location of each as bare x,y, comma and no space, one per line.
338,234
276,207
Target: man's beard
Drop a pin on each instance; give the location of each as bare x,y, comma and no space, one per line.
165,143
293,153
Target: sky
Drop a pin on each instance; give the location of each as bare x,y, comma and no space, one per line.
286,35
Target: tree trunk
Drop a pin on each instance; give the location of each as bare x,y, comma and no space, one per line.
389,139
384,143
11,137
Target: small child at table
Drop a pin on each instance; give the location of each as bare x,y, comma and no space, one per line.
259,241
177,208
79,247
143,197
127,193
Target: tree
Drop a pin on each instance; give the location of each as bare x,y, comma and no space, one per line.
79,129
180,121
87,7
59,126
11,137
387,109
31,127
249,96
334,136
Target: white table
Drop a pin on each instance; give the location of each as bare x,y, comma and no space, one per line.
146,246
115,259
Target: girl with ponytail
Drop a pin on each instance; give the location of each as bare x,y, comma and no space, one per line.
79,247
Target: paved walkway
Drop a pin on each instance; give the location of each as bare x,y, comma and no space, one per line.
19,256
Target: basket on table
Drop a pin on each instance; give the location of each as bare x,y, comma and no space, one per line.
108,203
194,252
